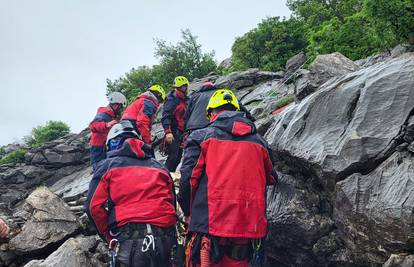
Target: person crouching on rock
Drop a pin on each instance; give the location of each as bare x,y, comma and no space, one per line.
226,168
131,201
105,118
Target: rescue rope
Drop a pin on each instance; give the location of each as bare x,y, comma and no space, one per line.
205,252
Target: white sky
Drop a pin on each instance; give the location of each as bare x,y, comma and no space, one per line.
55,55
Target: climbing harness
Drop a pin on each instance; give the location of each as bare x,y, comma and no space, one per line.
113,250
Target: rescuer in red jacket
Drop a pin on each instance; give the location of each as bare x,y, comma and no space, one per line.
142,111
226,168
105,118
131,199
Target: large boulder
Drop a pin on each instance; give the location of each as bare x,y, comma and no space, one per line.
295,63
298,218
350,123
377,209
336,154
48,222
75,252
325,67
69,150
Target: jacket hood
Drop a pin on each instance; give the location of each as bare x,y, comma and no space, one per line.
106,110
234,122
133,147
150,96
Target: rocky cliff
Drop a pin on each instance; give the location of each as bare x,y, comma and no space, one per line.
343,149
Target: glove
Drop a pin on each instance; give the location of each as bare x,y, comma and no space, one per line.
169,137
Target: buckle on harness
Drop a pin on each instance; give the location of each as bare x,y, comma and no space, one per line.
148,241
113,250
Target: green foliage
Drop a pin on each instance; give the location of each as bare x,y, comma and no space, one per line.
269,45
284,101
356,28
51,131
354,38
185,58
2,151
14,157
392,19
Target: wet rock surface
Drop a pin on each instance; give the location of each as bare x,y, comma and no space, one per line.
75,252
48,221
344,152
338,148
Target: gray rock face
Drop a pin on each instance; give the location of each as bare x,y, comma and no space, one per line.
241,79
338,130
304,85
225,64
325,67
73,186
297,220
377,209
372,60
346,185
75,252
399,50
48,221
295,62
400,261
69,150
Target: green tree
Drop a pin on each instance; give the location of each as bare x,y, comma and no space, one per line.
354,38
393,20
51,131
185,58
269,45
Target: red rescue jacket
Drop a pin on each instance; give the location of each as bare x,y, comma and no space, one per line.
142,111
136,188
98,128
224,174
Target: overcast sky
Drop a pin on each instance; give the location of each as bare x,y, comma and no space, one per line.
55,55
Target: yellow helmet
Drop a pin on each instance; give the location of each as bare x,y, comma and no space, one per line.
220,98
158,88
180,81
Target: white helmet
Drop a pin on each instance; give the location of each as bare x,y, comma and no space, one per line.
117,98
124,127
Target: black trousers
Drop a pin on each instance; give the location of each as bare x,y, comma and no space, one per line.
97,154
175,152
130,253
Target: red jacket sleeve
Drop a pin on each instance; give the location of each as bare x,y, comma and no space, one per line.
144,120
98,126
144,128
